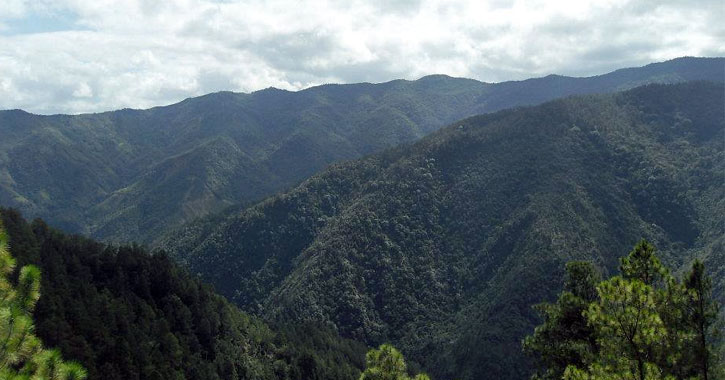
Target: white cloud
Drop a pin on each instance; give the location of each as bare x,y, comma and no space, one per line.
141,53
12,9
83,91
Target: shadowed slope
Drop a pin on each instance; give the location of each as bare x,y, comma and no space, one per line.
442,247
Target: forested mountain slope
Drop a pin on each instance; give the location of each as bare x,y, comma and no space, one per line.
442,247
129,174
124,314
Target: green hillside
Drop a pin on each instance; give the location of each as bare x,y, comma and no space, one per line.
442,247
125,314
128,175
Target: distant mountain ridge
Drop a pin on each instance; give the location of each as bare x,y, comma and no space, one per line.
131,174
443,246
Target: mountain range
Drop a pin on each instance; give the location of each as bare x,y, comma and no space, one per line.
131,175
432,214
443,246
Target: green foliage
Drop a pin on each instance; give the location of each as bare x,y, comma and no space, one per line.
128,175
387,363
646,325
443,246
628,328
701,317
125,314
642,264
22,355
565,337
581,280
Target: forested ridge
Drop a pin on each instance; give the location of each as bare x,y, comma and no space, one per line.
22,354
443,247
125,314
129,175
584,336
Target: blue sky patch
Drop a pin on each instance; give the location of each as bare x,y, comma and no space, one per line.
41,22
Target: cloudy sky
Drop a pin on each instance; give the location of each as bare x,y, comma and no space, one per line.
73,56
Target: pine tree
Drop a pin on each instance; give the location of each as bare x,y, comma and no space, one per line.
702,313
387,363
565,337
647,325
626,320
22,355
643,264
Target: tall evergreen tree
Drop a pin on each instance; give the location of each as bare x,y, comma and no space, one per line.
565,337
647,325
702,313
643,264
628,326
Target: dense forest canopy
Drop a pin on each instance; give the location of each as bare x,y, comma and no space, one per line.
22,355
129,175
443,246
452,244
125,314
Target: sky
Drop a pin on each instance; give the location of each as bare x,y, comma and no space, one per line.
77,56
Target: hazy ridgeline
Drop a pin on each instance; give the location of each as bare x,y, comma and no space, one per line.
440,239
129,175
